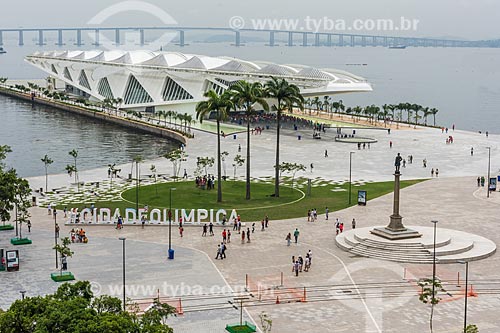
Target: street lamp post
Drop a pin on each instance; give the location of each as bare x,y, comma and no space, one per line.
170,220
55,235
350,174
466,287
488,180
123,266
434,261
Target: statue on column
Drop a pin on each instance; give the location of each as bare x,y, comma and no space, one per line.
397,162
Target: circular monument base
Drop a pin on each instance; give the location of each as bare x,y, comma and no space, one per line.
451,245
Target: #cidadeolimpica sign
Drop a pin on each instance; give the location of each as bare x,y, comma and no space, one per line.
155,216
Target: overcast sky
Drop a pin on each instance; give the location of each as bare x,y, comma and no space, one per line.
470,19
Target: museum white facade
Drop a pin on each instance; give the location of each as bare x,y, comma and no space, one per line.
176,81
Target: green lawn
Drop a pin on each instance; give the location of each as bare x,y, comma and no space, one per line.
291,203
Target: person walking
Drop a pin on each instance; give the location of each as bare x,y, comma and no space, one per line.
224,236
288,239
437,172
326,153
229,236
296,267
326,213
235,224
248,235
29,226
353,223
211,229
390,144
312,167
181,231
478,181
308,215
432,172
204,234
219,252
243,237
262,225
471,151
310,256
223,251
296,234
64,263
266,220
57,230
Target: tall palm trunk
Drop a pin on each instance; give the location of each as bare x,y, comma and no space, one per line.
219,178
277,164
248,156
46,178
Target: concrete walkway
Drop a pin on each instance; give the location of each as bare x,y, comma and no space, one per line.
453,199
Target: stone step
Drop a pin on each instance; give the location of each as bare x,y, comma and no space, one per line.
388,256
455,247
369,251
440,242
342,243
393,247
387,242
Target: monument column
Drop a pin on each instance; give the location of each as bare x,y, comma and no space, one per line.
396,223
396,230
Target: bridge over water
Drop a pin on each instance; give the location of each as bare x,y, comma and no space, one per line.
291,38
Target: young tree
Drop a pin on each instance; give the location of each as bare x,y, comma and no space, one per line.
22,202
46,161
205,163
63,250
284,95
153,171
238,161
266,322
428,295
221,105
224,154
292,168
176,156
74,154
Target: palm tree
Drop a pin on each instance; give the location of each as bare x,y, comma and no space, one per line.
74,154
341,107
433,112
385,113
308,102
221,105
284,94
326,102
316,101
117,103
46,161
246,95
426,114
358,110
188,119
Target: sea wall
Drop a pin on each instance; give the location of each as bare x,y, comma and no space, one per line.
129,123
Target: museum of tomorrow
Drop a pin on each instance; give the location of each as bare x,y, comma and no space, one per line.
146,80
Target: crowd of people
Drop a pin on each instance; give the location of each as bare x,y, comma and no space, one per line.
78,236
205,182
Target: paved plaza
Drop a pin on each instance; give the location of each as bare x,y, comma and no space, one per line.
344,293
